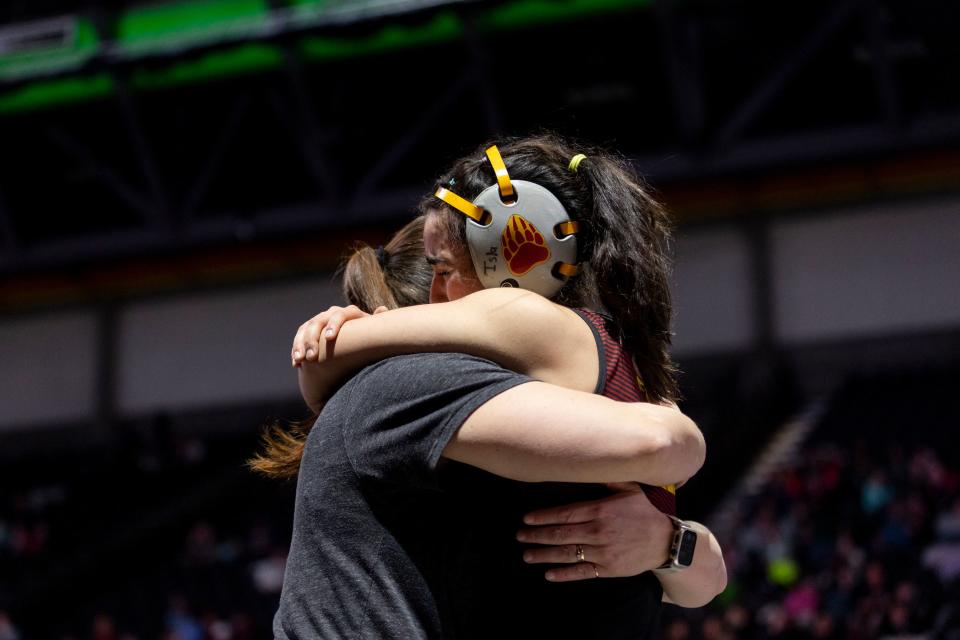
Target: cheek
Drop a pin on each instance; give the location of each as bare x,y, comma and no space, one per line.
467,280
455,287
460,285
438,290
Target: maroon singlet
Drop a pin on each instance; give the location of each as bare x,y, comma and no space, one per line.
619,381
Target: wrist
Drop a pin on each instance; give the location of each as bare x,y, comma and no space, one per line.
682,544
663,537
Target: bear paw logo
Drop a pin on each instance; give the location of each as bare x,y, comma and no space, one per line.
523,245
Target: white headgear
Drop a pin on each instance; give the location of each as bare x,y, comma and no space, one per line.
518,233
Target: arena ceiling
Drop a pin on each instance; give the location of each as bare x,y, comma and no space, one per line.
131,130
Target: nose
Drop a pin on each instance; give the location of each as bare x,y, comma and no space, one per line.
438,290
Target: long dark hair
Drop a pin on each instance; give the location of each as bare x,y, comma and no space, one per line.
395,275
623,243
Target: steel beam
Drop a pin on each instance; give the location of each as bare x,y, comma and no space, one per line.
876,20
159,211
486,90
801,148
130,195
768,91
679,45
414,134
757,233
8,235
107,384
308,136
378,208
211,166
387,207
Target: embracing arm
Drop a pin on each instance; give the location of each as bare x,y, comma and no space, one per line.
705,578
539,432
518,330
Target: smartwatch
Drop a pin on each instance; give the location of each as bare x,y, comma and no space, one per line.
681,548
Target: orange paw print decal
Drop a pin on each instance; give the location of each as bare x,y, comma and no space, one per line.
523,245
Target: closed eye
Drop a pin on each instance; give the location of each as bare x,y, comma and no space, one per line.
438,265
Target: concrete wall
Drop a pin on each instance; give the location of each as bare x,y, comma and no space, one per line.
712,291
864,272
198,350
48,368
890,270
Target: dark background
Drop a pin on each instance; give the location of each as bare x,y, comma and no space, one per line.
190,168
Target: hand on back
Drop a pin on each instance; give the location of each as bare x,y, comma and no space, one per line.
620,535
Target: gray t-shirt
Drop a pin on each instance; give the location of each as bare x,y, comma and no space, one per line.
369,550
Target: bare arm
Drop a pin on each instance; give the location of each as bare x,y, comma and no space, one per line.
703,580
539,432
516,329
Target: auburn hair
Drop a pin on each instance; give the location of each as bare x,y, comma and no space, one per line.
395,275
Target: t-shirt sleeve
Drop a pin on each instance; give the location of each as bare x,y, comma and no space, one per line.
399,414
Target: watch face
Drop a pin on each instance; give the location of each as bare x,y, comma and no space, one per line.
687,544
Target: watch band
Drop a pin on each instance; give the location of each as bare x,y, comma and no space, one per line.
681,547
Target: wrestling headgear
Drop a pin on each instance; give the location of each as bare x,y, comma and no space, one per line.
518,233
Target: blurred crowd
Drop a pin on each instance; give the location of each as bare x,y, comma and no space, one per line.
171,538
854,542
218,586
857,537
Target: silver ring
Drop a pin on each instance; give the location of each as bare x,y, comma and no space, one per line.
580,555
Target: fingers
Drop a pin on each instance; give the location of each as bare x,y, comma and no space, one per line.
579,571
585,561
562,554
337,317
334,321
587,533
567,514
299,342
306,344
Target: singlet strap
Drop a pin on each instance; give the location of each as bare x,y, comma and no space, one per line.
601,352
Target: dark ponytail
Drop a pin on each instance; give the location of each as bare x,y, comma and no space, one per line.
623,245
628,265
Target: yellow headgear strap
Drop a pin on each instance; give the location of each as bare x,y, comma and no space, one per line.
568,228
500,169
462,205
568,269
575,162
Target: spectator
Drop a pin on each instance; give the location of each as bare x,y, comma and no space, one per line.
7,630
